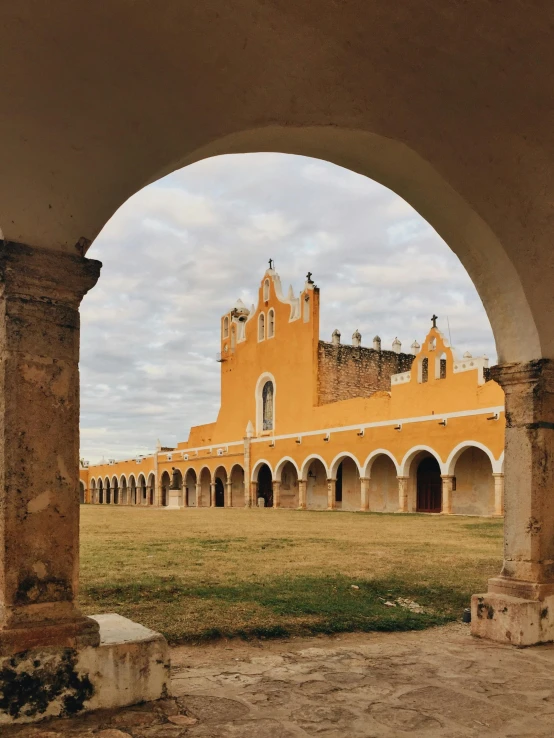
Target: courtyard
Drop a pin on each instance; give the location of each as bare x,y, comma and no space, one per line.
200,574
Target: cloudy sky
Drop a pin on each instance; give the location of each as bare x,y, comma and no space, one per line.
180,252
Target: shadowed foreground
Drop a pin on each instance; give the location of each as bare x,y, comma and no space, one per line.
196,575
440,683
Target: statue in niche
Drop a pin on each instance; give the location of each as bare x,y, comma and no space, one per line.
267,406
174,479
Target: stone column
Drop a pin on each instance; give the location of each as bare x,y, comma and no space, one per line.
331,494
276,493
403,494
519,604
184,500
447,487
198,494
212,494
228,493
40,293
364,494
302,489
253,501
498,494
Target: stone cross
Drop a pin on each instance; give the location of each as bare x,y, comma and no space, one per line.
309,277
271,263
434,319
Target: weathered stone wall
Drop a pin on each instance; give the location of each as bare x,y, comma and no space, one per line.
354,371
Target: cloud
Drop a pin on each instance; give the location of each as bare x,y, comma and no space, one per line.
179,253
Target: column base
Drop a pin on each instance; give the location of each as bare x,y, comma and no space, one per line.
507,619
130,665
76,633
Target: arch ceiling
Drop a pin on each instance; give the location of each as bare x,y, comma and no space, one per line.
417,96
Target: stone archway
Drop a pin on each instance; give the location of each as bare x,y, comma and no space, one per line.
314,81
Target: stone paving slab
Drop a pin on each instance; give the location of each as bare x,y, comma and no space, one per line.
440,683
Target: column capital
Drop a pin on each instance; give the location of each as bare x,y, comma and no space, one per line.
447,476
524,373
529,390
46,276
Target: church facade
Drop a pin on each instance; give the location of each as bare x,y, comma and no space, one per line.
310,424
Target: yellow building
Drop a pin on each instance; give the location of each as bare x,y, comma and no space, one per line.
304,423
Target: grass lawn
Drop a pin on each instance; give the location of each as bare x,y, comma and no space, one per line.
200,574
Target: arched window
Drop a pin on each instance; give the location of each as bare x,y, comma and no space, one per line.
306,308
267,406
440,370
226,327
233,338
266,290
271,323
261,327
424,370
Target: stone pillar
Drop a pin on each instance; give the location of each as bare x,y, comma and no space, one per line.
276,493
253,501
498,494
198,494
212,494
302,489
364,494
247,462
403,494
519,604
331,494
184,495
40,293
447,487
228,493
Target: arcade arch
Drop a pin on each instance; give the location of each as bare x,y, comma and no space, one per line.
107,491
165,481
220,477
123,491
82,493
381,471
315,474
236,487
262,478
474,483
133,490
344,489
150,491
142,490
115,491
204,488
190,488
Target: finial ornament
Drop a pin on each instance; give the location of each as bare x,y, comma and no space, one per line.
434,319
309,278
271,263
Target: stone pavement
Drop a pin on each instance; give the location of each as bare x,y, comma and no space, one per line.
440,683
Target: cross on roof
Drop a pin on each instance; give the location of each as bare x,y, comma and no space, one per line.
309,278
271,263
434,319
